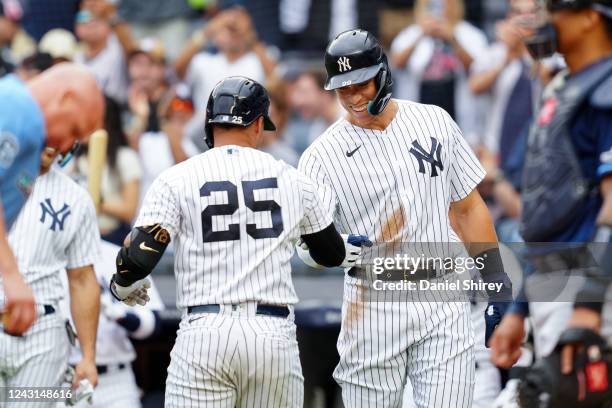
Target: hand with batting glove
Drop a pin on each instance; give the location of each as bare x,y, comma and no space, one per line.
353,245
131,295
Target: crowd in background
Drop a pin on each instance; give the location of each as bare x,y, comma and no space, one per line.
158,60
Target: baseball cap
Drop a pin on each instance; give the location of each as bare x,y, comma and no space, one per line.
59,43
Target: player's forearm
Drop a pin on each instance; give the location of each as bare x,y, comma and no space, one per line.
85,308
140,254
326,246
8,263
474,221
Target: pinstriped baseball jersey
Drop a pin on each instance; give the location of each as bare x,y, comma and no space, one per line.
395,184
234,214
56,230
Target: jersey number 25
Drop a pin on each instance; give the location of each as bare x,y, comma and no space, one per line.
233,231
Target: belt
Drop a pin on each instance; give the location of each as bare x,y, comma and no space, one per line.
103,369
266,310
394,275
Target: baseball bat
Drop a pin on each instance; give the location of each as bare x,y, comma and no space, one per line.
96,158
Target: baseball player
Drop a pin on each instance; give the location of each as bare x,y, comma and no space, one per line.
114,351
567,187
235,214
392,170
56,230
56,108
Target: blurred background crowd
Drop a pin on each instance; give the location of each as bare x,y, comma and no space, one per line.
157,61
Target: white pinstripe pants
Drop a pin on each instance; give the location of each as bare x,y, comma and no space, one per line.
37,359
383,343
235,359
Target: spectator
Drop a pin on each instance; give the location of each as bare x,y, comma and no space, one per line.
15,44
60,44
33,65
274,142
120,179
148,85
309,25
314,104
106,41
240,53
164,19
163,148
433,58
502,72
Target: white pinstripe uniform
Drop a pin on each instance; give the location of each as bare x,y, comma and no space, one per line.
370,178
234,214
56,230
117,386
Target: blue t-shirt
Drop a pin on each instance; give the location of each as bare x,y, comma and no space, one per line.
591,133
22,138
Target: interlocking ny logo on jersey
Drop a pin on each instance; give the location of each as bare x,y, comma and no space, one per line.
344,64
57,217
432,157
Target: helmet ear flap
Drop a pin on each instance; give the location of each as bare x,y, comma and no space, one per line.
383,94
208,135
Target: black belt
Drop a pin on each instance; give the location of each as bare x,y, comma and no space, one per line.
266,310
103,369
394,275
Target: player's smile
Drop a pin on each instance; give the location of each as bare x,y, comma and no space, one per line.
359,108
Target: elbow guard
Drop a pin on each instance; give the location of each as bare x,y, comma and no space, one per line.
145,249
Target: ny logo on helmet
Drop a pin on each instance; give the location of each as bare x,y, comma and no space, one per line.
344,64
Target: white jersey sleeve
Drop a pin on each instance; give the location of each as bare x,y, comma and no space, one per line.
466,172
310,166
160,207
84,249
316,215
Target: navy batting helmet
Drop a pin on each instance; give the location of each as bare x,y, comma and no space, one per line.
355,56
236,101
603,6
